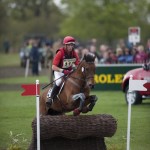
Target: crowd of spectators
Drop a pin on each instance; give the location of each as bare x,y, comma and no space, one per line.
44,49
122,53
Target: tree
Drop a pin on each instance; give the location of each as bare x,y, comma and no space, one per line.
105,19
3,19
31,17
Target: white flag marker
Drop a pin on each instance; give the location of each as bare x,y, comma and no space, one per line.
137,85
134,85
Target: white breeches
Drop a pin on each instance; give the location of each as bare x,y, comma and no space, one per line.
58,75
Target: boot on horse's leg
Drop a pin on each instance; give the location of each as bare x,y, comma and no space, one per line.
52,96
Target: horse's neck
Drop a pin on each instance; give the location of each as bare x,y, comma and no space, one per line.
77,77
78,73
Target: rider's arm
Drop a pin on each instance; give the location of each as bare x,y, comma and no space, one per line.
55,68
56,62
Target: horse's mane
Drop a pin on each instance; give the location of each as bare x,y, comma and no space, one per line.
89,57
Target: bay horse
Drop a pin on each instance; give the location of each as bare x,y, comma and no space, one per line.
74,94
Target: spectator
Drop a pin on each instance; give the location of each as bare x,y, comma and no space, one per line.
120,55
84,51
92,49
6,46
140,56
102,49
112,56
128,56
24,53
48,54
35,58
148,48
106,58
78,50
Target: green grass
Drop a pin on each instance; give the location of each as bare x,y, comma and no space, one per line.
17,113
11,59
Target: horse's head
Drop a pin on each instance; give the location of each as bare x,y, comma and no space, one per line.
87,67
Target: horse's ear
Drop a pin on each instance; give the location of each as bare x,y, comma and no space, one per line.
90,57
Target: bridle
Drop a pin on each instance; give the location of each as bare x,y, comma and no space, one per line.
84,78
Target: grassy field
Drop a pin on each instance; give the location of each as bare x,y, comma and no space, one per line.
17,113
9,59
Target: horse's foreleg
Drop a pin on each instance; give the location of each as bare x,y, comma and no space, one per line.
81,97
92,99
85,109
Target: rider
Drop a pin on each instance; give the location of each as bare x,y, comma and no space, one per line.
63,63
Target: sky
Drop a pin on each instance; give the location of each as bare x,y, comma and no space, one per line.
57,2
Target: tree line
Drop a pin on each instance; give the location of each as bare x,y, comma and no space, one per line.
106,20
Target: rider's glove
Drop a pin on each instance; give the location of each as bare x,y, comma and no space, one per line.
66,72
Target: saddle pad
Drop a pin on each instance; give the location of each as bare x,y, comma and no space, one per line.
49,93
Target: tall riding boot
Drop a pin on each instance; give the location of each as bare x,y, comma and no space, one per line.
54,92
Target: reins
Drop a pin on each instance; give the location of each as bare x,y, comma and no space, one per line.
52,82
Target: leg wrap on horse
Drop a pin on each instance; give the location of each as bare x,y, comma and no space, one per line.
77,96
80,96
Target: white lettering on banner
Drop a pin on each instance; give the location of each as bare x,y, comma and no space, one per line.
68,62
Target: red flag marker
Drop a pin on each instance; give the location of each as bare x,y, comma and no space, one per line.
30,89
147,86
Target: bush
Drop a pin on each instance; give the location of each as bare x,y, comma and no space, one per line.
17,142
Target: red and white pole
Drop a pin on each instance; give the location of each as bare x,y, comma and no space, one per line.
38,114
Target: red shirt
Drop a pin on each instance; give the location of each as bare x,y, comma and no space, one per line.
65,61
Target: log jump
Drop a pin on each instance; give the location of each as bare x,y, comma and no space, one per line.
66,132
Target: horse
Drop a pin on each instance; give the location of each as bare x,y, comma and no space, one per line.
74,94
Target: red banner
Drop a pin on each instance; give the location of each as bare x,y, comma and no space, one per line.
30,89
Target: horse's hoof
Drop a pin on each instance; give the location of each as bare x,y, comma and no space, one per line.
76,112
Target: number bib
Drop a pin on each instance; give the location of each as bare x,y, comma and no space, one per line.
68,62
